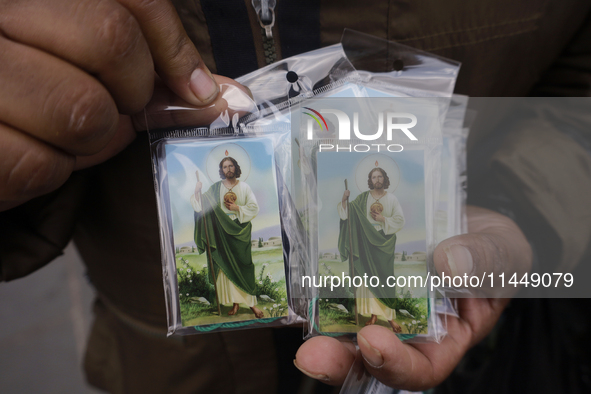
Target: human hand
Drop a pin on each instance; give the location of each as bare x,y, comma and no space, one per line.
494,244
70,68
378,217
198,187
232,206
346,195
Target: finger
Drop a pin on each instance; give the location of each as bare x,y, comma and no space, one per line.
124,135
99,36
411,367
29,167
417,367
408,367
325,359
166,109
176,59
494,245
54,101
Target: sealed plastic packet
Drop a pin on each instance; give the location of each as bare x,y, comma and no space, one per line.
369,198
411,315
220,193
231,239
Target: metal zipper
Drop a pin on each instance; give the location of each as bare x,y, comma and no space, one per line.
265,10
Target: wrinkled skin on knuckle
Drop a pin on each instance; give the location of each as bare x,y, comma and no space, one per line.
117,53
89,117
492,253
35,172
118,35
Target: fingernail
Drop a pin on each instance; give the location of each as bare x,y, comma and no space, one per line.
202,85
371,355
312,375
459,260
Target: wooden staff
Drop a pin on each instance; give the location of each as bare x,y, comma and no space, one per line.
210,258
351,271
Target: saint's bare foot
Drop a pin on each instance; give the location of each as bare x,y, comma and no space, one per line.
395,326
257,312
371,321
234,309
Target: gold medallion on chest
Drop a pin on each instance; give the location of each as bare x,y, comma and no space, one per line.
230,197
376,207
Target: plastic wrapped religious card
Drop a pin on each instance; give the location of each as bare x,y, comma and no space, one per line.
370,195
222,236
372,233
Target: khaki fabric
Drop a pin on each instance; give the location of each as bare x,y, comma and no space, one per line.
536,165
125,359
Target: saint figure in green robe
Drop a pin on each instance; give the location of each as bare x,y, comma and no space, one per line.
372,219
223,228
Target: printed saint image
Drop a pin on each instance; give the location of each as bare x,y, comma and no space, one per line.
227,231
372,224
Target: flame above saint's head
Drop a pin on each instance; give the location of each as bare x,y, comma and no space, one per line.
227,153
376,163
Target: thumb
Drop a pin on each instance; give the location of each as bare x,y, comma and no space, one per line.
176,59
494,245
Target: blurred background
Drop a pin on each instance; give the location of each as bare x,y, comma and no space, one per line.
44,324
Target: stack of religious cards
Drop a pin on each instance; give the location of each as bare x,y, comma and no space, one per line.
221,231
313,198
371,170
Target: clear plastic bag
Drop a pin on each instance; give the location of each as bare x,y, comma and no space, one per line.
408,160
387,70
223,245
278,91
207,286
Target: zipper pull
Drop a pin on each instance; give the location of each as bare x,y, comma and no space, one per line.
265,10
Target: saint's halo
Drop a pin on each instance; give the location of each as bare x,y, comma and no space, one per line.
376,160
227,150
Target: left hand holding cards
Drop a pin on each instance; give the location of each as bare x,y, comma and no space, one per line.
418,366
162,98
70,68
